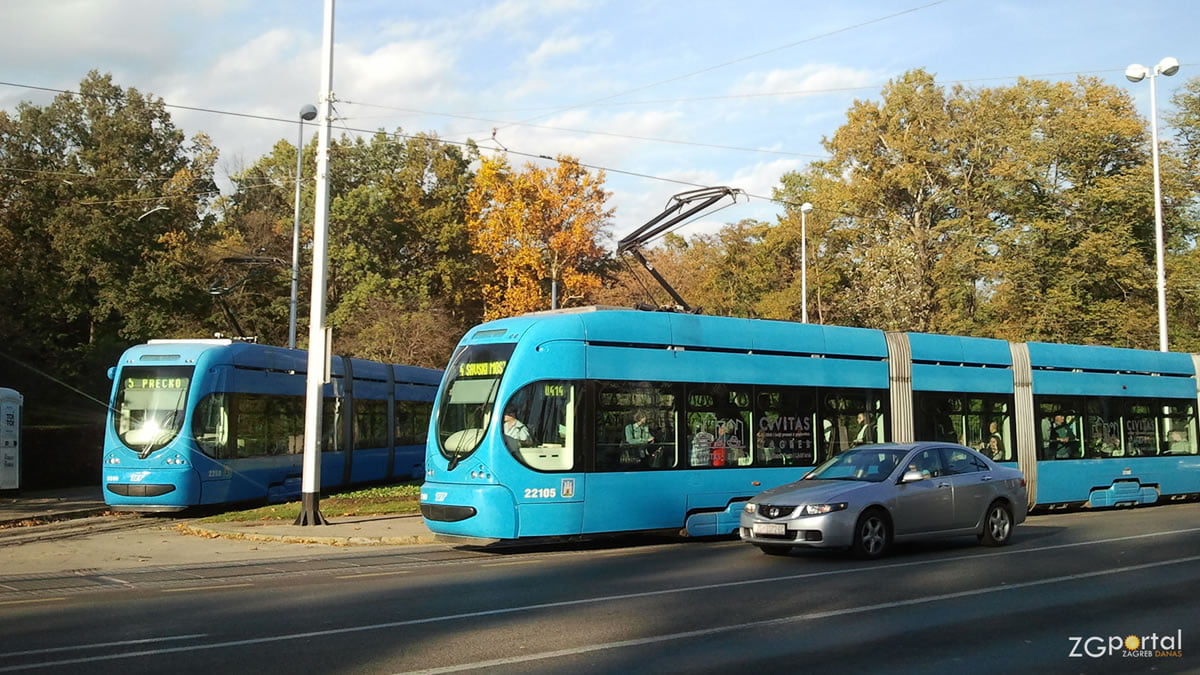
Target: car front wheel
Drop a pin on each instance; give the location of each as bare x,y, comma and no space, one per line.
872,535
997,526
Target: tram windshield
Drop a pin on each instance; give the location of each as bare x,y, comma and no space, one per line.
149,407
468,398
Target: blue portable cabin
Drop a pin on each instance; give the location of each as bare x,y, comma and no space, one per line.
199,422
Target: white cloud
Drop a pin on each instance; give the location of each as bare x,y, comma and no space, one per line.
809,80
556,46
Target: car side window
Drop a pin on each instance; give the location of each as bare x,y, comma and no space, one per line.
960,461
928,462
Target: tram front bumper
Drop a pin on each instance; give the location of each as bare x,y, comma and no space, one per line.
154,490
483,511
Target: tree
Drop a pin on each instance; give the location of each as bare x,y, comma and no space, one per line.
100,264
397,241
1020,212
1076,229
538,229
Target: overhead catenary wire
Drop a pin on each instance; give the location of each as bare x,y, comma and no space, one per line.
747,57
547,157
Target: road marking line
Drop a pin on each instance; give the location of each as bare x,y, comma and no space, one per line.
509,564
203,588
371,574
25,602
102,644
798,618
668,591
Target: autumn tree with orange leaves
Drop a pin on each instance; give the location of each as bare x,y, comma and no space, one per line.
537,227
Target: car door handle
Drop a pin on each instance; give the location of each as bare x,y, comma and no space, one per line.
942,485
985,478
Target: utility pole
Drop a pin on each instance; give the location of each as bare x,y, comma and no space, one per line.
319,337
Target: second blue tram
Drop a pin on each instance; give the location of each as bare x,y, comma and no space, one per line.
603,420
203,422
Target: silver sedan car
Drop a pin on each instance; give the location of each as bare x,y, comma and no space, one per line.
869,497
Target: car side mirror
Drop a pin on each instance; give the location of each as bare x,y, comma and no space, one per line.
911,476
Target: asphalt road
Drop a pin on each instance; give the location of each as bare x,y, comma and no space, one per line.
1053,601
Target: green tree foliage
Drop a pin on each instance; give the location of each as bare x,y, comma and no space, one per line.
1022,212
399,253
99,264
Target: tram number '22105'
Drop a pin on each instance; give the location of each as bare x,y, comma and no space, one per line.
540,493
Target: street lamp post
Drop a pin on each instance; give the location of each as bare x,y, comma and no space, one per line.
307,112
805,209
1136,73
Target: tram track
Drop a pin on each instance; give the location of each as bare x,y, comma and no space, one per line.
26,532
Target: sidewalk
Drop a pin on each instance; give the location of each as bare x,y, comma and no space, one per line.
32,508
341,531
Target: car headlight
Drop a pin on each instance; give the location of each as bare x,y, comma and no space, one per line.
818,509
750,507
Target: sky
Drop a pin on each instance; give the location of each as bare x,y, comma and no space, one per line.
663,95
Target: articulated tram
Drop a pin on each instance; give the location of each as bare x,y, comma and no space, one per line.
203,422
576,422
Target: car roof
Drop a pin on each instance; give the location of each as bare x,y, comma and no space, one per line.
917,445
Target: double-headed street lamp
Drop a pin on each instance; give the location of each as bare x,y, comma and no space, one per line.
1136,73
805,209
307,112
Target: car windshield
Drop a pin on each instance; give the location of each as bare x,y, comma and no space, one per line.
873,464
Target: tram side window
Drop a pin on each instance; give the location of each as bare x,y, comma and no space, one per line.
370,424
784,421
980,421
263,424
538,425
850,419
210,426
331,425
1059,434
1102,429
635,426
940,418
718,425
289,415
412,422
1179,422
252,424
1141,429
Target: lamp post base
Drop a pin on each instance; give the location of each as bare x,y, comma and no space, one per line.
310,510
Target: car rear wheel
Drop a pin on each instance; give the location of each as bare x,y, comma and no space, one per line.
997,526
775,549
872,535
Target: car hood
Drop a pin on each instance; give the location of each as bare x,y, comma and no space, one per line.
810,492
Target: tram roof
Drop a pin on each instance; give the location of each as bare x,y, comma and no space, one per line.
689,331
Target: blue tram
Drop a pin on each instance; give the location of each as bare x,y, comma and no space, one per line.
202,422
595,420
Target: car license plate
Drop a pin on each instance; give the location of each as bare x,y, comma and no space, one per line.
770,528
